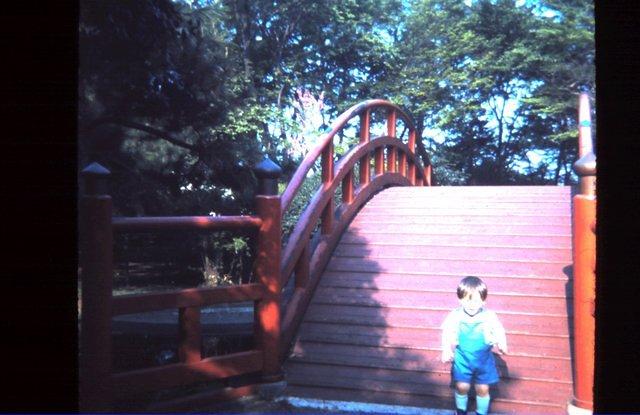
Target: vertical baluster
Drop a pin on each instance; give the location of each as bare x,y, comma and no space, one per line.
379,160
427,175
267,269
402,161
347,188
391,132
190,335
365,170
302,268
97,279
327,177
412,148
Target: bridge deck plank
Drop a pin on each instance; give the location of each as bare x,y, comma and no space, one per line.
372,329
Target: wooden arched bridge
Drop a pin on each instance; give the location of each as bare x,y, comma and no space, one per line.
350,307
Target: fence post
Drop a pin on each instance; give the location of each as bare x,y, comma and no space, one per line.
96,237
267,269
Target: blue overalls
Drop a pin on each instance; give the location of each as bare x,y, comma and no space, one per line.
473,356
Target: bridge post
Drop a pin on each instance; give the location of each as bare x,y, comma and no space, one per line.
412,147
584,264
96,262
365,169
391,151
267,269
427,175
327,177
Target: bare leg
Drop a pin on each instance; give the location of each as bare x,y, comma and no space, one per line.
482,390
463,388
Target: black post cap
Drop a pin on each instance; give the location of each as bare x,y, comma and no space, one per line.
267,173
95,177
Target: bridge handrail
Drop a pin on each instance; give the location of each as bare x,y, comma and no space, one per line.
402,167
99,385
309,160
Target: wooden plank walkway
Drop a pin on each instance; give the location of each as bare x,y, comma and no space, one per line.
371,332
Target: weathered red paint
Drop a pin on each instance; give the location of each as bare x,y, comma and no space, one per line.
95,322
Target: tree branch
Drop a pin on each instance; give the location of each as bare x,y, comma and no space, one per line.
141,127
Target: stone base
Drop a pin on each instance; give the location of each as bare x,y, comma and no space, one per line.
272,390
575,410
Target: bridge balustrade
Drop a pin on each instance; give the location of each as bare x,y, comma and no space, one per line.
395,162
98,385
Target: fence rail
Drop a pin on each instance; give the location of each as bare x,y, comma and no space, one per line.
99,387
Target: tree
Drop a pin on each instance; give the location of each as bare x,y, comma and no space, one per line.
155,87
478,73
180,99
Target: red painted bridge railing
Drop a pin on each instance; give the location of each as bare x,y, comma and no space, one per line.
394,163
377,163
99,387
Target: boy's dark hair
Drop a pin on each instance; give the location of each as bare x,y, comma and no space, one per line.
471,284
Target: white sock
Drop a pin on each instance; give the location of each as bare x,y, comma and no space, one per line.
482,404
461,401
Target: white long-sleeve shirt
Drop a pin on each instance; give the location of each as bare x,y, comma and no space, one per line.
494,333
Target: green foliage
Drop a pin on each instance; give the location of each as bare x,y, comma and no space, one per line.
180,100
461,64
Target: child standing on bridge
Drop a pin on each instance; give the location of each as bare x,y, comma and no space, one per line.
468,335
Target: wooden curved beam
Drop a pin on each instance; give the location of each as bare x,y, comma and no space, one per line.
403,168
311,215
322,253
310,159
